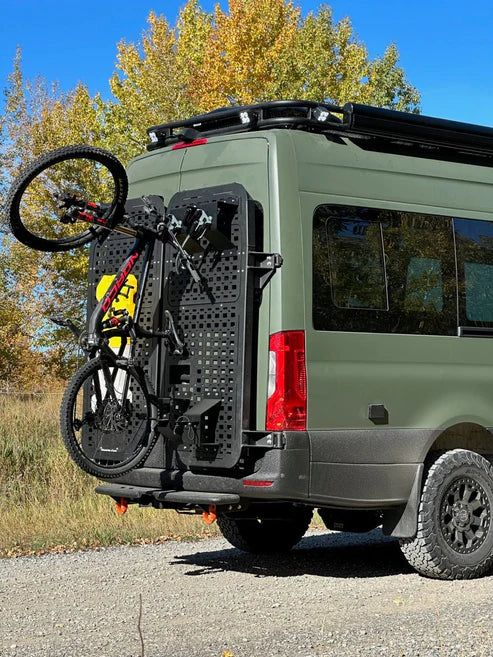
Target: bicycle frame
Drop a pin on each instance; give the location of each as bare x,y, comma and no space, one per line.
141,245
144,243
145,238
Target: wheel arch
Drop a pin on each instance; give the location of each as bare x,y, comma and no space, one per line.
469,435
402,521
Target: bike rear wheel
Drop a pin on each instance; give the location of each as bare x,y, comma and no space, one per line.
108,418
84,173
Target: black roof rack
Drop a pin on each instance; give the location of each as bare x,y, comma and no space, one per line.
371,128
297,114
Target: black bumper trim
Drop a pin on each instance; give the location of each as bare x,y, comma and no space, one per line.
128,492
185,497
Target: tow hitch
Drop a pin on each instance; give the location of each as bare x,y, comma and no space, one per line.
210,516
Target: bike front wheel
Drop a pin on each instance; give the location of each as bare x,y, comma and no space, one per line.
108,418
36,206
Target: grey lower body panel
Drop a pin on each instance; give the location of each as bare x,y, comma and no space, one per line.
382,445
365,468
362,485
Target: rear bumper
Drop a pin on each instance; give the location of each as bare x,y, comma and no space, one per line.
310,469
282,473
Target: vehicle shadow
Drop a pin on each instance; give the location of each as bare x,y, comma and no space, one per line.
322,555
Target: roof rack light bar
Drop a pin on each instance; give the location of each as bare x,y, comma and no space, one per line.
305,115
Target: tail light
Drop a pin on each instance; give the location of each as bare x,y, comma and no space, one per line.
286,395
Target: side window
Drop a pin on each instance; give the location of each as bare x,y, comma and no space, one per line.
356,264
474,240
419,253
383,271
349,282
424,285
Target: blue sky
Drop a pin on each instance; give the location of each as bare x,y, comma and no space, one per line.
445,46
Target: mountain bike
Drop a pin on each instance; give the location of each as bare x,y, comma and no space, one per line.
110,412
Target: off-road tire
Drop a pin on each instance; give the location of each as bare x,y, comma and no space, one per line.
267,535
113,214
430,551
70,440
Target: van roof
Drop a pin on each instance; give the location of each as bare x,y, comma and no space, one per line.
370,128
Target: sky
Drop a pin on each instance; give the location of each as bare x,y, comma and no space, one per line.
445,47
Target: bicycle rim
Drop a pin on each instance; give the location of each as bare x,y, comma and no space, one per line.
80,172
110,431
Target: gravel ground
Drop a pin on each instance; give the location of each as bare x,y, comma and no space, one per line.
335,594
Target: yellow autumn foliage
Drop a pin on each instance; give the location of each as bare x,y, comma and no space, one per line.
252,51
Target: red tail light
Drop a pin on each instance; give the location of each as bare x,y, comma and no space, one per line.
286,402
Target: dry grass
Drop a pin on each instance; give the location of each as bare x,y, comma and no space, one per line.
47,503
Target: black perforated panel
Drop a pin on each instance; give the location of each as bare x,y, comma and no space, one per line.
219,269
105,259
212,319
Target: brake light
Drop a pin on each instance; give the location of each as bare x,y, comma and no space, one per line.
187,144
286,396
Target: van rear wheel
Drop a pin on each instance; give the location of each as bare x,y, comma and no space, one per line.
278,532
454,539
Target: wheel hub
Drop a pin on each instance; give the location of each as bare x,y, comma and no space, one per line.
461,517
112,417
465,515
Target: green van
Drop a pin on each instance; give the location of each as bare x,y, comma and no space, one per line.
338,357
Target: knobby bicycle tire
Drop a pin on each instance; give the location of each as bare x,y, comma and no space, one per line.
70,439
113,214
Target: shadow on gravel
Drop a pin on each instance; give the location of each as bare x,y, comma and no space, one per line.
325,555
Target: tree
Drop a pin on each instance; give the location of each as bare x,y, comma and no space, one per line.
254,51
20,365
264,50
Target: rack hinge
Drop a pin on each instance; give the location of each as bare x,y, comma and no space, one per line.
265,264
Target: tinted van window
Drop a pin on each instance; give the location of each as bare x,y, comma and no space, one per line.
357,272
383,271
474,240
